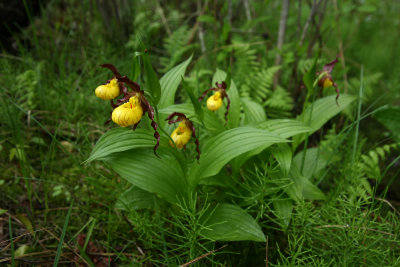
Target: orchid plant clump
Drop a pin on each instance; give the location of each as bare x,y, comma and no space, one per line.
229,151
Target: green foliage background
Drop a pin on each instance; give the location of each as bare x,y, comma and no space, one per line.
328,197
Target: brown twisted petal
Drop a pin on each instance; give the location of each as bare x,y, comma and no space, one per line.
135,87
196,140
227,107
112,68
206,92
329,67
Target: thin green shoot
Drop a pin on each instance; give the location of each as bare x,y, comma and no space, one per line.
61,242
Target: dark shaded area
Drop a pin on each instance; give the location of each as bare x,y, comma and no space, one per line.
13,17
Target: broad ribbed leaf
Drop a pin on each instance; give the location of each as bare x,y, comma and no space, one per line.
283,210
322,110
194,99
234,111
285,127
390,118
135,66
144,170
121,139
302,188
315,160
231,223
227,145
169,83
211,122
310,76
152,82
283,154
135,198
253,112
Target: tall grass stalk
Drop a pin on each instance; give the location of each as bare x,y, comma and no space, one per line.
61,242
360,95
11,241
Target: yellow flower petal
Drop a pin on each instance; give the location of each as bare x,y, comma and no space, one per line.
327,83
108,91
181,135
214,102
129,113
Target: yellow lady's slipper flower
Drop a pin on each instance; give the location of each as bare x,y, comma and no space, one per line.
181,135
108,91
214,102
326,81
129,113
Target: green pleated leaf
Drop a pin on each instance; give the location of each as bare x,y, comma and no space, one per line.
211,121
316,160
310,76
135,66
152,83
227,145
390,118
231,223
121,139
283,154
234,111
253,112
302,188
141,168
322,111
285,127
135,198
170,82
196,104
223,178
283,210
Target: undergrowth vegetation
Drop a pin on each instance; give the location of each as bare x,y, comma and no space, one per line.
271,166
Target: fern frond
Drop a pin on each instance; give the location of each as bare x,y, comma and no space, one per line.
175,47
279,104
370,83
261,84
369,163
245,67
25,87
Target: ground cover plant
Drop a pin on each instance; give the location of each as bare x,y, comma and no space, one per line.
240,133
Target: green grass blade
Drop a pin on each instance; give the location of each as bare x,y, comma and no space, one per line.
11,241
60,244
360,94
